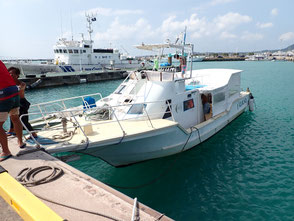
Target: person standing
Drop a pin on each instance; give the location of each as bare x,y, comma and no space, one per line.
9,105
24,104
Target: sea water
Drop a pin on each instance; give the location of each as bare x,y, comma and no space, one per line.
244,172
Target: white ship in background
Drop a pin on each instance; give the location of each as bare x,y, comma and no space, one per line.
72,56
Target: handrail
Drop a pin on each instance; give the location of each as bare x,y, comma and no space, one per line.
66,99
74,112
35,140
124,133
147,115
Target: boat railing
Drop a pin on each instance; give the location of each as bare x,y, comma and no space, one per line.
80,118
163,74
57,129
59,105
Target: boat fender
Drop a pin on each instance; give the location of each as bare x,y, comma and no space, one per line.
251,102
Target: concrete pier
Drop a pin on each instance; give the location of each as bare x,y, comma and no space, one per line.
68,78
74,195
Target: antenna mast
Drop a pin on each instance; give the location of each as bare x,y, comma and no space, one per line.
90,19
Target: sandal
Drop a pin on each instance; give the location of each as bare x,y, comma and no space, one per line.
10,134
2,158
23,146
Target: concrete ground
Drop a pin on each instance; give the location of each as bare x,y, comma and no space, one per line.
74,189
7,213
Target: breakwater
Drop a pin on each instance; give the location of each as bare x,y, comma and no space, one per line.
59,79
224,59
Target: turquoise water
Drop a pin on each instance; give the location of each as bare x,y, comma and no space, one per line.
244,172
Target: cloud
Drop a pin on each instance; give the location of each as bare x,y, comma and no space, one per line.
287,36
251,36
274,11
140,30
227,35
111,12
231,20
198,27
264,25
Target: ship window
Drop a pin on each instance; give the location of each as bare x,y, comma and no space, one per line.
55,51
84,51
70,51
137,109
60,50
64,51
76,51
188,104
86,46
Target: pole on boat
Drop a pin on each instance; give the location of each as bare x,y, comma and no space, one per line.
191,59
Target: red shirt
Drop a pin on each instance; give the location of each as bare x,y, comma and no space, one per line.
6,83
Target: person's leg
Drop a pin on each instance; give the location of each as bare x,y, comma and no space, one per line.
3,137
14,116
24,109
11,129
25,121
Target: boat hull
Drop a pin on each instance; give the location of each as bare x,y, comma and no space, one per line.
164,142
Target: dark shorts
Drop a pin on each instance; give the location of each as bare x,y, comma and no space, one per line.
9,104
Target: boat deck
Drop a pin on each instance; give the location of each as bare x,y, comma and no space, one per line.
74,189
100,132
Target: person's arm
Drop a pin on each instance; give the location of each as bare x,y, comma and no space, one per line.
22,86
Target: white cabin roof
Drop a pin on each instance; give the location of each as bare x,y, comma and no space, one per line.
213,78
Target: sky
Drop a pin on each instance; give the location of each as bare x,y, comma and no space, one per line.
30,28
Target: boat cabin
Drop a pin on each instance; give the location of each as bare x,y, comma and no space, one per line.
180,99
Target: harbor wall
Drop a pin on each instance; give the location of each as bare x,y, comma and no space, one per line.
59,79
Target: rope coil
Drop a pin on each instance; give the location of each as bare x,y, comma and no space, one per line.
27,176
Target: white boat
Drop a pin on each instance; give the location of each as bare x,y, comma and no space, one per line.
198,58
152,114
72,56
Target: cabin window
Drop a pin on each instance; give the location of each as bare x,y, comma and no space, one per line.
60,50
64,51
120,89
219,97
188,104
86,46
137,109
84,51
70,51
76,51
55,51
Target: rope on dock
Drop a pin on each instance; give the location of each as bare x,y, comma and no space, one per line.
27,176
